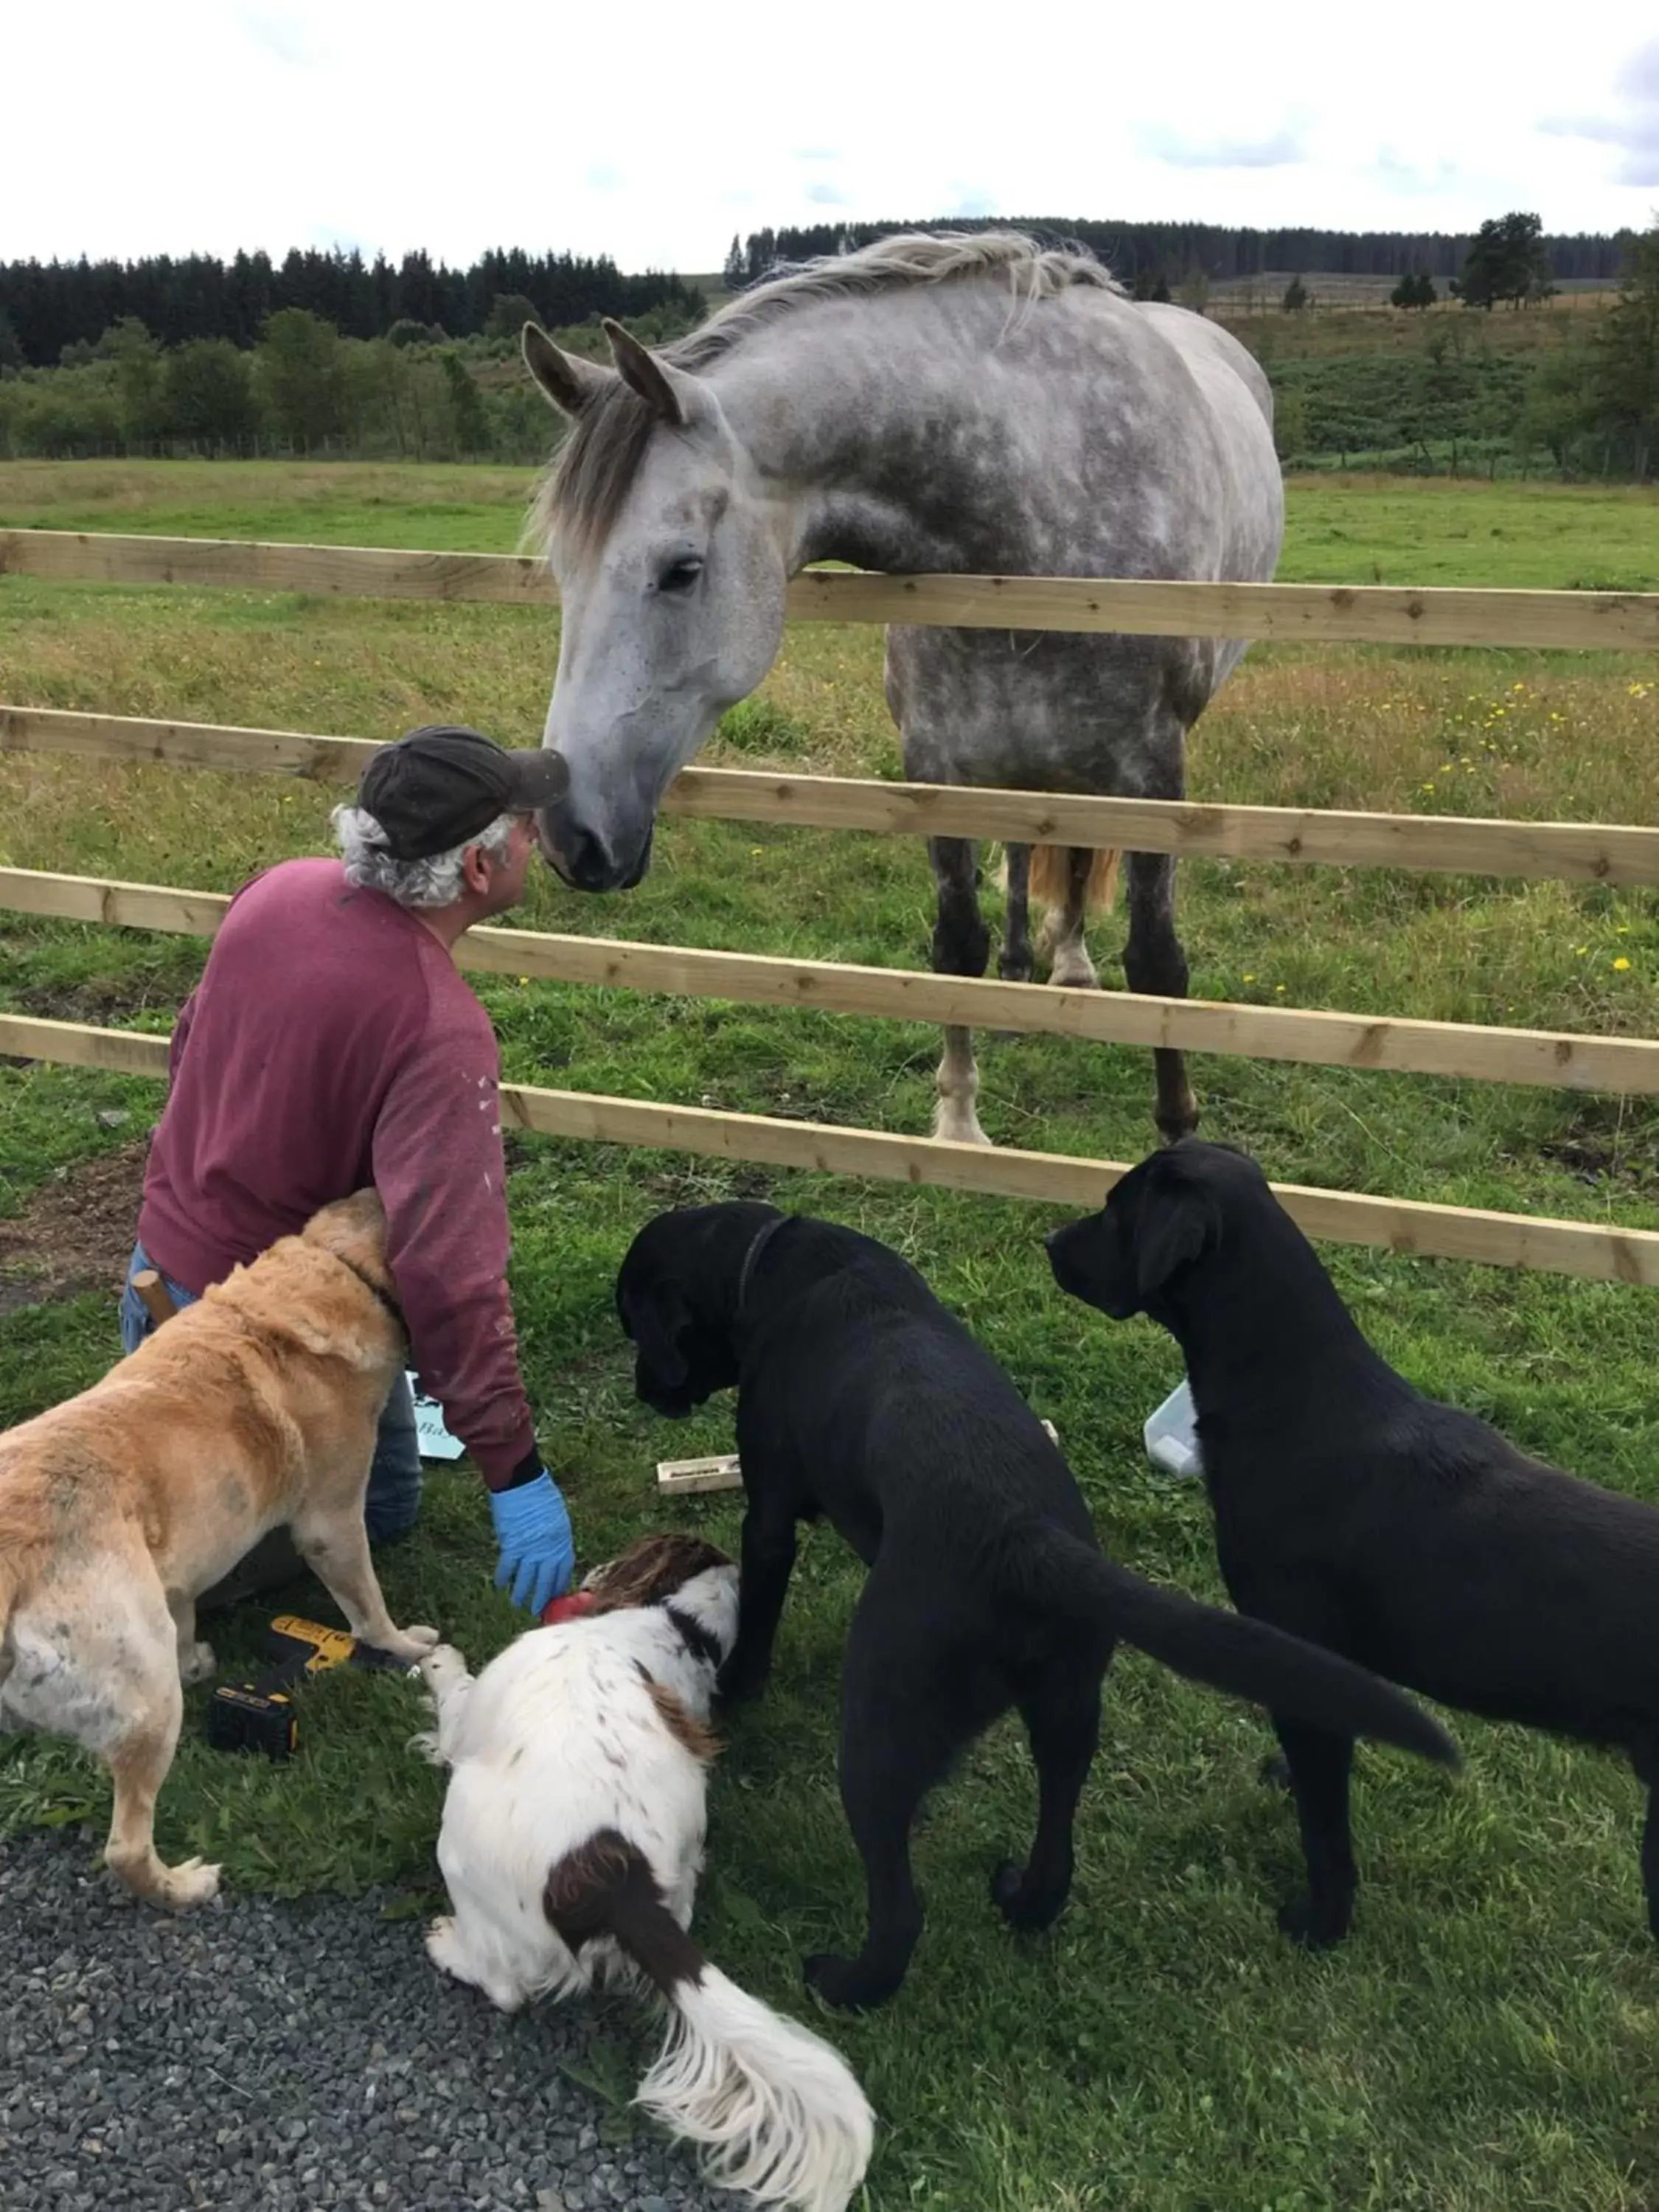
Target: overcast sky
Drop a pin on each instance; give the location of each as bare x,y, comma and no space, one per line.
653,133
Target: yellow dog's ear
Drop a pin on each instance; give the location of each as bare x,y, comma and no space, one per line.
321,1343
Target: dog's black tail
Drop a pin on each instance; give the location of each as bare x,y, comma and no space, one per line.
775,2109
1230,1651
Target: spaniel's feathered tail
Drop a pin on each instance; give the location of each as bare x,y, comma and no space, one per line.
776,2110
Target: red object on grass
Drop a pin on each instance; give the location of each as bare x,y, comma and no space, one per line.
568,1608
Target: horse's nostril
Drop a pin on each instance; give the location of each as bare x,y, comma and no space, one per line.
577,854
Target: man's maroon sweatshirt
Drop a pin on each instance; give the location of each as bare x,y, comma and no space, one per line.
331,1043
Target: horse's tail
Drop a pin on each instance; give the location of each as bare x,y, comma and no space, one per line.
1051,876
775,2110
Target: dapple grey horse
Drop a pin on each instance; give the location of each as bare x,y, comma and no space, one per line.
929,403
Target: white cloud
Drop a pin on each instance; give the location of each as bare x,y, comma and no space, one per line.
206,127
1632,123
1413,179
1279,149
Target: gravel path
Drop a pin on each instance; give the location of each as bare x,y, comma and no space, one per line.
274,2058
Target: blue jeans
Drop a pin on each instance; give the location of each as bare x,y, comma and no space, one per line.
394,1477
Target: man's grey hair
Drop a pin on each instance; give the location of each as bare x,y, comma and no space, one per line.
435,881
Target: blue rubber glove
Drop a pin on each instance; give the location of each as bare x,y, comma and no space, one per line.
533,1529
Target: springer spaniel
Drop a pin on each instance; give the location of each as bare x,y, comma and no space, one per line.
572,1839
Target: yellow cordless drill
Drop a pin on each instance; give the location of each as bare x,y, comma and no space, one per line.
260,1716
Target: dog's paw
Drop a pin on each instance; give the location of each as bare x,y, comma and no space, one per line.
441,1667
1023,1908
845,1982
1315,1928
443,1947
411,1644
196,1665
740,1687
192,1882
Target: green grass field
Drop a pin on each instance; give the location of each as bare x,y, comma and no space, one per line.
1487,2039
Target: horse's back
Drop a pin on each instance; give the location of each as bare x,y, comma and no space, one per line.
1207,348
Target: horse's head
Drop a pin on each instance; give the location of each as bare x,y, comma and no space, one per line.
673,566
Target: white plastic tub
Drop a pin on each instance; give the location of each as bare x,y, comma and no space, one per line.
1171,1434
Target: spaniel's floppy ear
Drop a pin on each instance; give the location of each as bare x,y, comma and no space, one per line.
1179,1221
657,1321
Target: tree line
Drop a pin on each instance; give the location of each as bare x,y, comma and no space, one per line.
1585,402
1142,253
47,306
303,390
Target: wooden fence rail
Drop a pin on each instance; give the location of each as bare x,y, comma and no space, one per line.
1586,1249
1563,1060
1572,852
1370,614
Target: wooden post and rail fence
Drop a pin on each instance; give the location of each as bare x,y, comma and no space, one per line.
1575,852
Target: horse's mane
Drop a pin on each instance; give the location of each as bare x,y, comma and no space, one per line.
582,492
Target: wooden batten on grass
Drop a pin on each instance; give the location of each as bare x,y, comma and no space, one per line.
690,1477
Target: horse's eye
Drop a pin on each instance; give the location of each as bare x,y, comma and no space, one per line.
680,575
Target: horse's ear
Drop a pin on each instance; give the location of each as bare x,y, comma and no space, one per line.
669,392
571,382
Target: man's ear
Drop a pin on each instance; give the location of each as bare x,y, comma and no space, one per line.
657,1322
1178,1222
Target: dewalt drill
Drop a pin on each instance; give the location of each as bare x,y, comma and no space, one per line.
260,1716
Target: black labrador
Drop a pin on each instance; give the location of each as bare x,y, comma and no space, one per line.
1349,1509
862,1399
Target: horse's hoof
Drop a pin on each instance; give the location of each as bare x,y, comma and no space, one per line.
1074,975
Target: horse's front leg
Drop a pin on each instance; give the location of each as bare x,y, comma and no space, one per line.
1154,960
962,946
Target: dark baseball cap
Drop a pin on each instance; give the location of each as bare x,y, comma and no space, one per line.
443,784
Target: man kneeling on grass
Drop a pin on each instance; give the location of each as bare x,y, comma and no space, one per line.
331,1043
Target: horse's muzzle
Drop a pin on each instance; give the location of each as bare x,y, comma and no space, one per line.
583,859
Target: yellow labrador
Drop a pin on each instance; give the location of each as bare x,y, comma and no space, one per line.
256,1407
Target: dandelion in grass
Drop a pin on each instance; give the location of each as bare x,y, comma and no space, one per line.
1621,963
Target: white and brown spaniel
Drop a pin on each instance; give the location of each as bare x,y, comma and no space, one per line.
572,1840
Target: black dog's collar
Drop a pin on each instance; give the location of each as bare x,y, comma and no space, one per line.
385,1297
763,1238
694,1637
